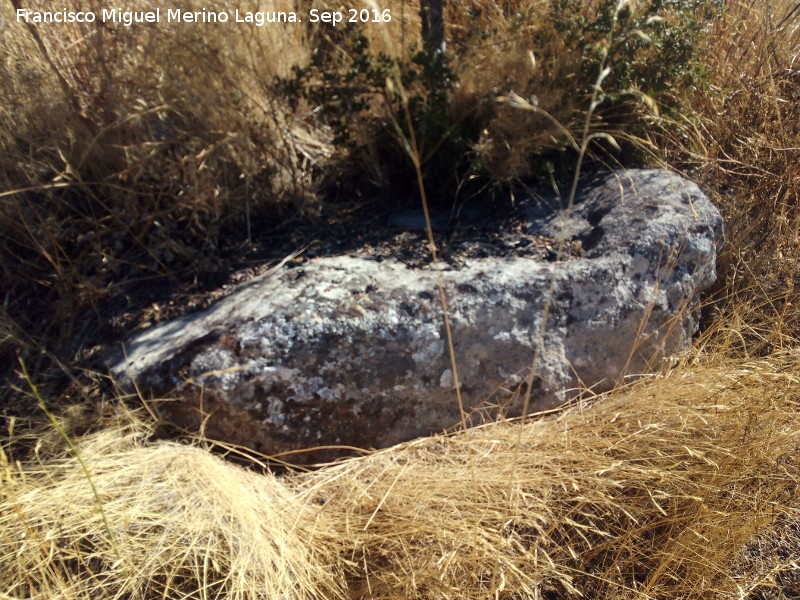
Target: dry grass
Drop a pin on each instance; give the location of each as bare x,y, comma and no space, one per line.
121,161
649,494
741,139
133,158
158,521
670,489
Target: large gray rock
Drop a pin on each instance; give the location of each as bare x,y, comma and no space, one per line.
350,351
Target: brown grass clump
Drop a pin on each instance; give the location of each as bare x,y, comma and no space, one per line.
683,486
132,160
156,521
651,493
740,137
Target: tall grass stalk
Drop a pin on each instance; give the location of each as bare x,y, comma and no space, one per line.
71,444
586,138
416,159
410,145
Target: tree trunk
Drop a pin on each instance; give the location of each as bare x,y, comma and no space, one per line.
432,13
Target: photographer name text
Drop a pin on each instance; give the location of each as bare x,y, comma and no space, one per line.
259,18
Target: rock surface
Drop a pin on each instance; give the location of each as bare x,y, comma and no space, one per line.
352,351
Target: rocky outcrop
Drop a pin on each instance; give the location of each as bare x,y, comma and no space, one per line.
350,351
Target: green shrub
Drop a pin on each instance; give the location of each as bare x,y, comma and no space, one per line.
374,104
650,46
389,112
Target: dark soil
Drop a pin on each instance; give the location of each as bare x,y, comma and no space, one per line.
457,244
460,238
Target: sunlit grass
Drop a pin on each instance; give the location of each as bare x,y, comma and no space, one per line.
143,156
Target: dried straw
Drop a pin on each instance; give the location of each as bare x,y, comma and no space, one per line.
649,494
176,522
672,488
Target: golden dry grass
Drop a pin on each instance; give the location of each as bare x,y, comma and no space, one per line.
670,489
683,485
741,140
651,493
158,521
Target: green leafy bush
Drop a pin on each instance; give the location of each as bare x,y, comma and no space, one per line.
651,45
375,105
389,112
